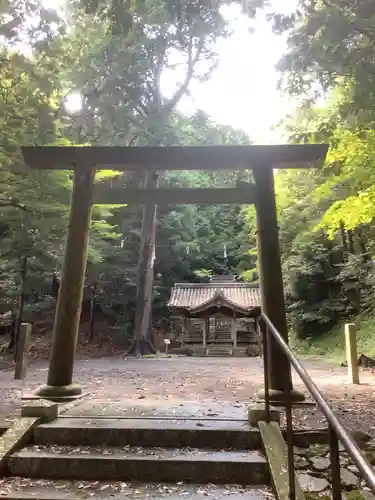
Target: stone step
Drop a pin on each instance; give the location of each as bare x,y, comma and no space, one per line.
240,351
219,351
199,351
26,489
148,432
5,423
140,464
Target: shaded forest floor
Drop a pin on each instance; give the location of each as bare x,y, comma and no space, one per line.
104,345
227,380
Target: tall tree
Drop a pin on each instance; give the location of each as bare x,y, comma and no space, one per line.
113,72
330,43
326,218
34,204
189,238
143,44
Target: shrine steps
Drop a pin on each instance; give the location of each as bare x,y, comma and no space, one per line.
219,350
240,352
179,456
23,489
149,432
141,464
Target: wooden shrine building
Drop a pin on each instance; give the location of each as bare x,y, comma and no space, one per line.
218,317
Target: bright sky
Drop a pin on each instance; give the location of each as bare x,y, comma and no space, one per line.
243,90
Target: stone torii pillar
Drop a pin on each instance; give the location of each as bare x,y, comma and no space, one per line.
271,281
65,332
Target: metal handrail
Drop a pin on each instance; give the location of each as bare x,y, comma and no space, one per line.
336,430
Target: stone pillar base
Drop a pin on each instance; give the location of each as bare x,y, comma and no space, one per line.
277,397
59,393
46,411
257,413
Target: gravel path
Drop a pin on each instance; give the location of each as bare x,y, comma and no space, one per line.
234,380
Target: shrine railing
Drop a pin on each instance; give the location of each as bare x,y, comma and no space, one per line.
336,431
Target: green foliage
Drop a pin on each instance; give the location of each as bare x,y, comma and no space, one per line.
354,154
331,344
326,216
34,205
91,56
121,52
330,44
192,241
116,56
33,223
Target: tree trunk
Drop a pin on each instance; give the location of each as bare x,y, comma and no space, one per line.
143,315
351,243
21,302
12,332
92,311
362,243
344,241
55,286
354,294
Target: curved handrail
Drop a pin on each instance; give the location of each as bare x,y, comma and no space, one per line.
351,447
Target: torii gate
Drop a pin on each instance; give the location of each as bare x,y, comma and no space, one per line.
86,160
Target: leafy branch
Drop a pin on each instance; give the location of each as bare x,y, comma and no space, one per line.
14,204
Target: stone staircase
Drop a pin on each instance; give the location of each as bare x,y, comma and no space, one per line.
182,457
219,351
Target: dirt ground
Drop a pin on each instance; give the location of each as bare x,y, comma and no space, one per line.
233,380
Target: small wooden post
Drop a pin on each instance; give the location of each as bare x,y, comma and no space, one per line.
234,331
185,328
204,333
92,311
208,333
351,353
166,343
22,351
259,335
21,303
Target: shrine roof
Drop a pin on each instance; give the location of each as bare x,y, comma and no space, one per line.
196,297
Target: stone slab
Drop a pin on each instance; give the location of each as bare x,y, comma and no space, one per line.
5,423
46,411
296,404
257,413
157,409
138,453
105,463
276,452
216,434
313,484
16,436
23,489
151,424
306,437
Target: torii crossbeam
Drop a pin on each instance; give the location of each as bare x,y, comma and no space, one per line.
86,160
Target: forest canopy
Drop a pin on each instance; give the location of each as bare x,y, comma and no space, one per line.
112,57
